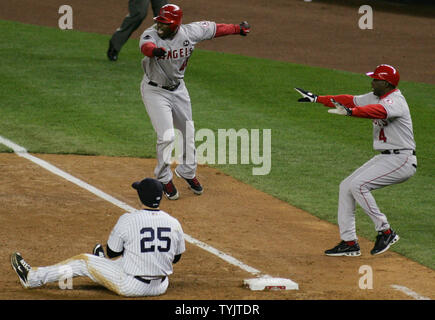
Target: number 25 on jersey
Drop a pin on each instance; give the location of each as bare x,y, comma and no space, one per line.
147,242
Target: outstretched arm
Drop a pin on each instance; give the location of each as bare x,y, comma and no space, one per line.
344,99
223,29
344,105
370,111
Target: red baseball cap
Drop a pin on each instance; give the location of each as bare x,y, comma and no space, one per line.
170,14
387,73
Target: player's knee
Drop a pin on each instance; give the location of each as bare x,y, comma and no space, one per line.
357,186
166,141
167,137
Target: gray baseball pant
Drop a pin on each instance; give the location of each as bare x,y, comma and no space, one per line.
169,109
380,171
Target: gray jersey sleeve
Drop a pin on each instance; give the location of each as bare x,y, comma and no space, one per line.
365,99
147,36
199,31
395,106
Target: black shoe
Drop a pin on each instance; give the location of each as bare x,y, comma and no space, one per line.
384,241
170,191
194,184
344,249
112,53
98,251
21,267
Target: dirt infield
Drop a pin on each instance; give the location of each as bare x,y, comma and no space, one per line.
52,219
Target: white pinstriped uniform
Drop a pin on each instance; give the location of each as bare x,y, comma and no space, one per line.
150,240
393,133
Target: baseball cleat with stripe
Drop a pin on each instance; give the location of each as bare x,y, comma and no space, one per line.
98,251
384,240
170,191
194,184
345,249
21,267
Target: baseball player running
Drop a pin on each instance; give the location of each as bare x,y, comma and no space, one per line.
167,47
393,137
148,242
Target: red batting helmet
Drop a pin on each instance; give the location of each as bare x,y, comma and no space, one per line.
170,14
387,73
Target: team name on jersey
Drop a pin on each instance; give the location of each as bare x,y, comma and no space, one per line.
178,54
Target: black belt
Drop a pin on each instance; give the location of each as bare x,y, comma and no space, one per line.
169,88
148,281
396,151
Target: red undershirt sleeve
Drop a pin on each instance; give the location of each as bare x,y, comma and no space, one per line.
226,29
344,99
370,111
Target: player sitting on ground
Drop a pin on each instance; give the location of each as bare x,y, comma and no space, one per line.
147,242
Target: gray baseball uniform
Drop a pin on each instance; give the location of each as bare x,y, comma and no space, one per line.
166,98
394,135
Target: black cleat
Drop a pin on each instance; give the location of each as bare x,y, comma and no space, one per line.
98,251
112,53
170,191
344,249
384,240
21,267
194,184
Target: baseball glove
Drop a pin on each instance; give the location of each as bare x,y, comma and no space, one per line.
306,96
245,28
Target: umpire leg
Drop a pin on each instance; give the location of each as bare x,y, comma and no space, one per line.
156,5
137,11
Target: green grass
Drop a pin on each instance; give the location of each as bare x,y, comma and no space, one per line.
60,94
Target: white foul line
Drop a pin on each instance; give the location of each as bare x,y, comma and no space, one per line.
22,152
409,292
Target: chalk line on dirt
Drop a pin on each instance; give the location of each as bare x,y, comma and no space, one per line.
22,152
409,292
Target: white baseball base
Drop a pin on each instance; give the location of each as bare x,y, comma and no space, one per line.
269,283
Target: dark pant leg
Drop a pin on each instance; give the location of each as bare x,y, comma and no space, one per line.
137,12
156,5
